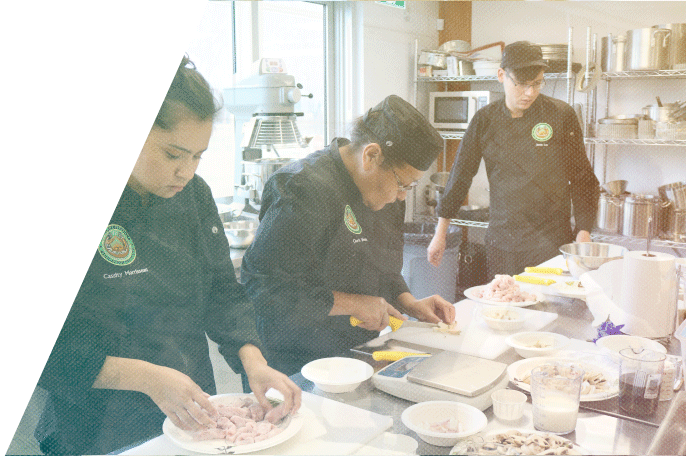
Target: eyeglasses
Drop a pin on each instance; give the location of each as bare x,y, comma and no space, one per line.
538,85
401,187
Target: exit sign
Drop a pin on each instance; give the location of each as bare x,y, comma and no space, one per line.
400,5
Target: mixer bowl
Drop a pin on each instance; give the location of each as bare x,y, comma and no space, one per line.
240,233
615,187
587,256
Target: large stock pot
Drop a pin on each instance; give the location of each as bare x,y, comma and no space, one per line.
647,49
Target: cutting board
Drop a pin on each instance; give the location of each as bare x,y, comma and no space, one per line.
332,427
476,338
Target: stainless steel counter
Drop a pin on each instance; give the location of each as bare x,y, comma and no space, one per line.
601,427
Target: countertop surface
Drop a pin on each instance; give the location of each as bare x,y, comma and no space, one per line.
601,426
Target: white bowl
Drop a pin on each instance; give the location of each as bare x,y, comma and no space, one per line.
525,343
502,318
337,375
420,416
508,404
613,344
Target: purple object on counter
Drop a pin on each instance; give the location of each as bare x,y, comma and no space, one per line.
607,328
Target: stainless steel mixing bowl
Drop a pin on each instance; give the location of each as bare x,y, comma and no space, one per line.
240,232
587,256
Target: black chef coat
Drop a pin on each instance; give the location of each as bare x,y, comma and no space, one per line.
536,166
161,279
316,236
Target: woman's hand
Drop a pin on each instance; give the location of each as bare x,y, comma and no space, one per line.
261,378
372,311
181,399
175,393
432,309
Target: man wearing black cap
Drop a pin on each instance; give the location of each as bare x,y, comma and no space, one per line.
330,242
537,170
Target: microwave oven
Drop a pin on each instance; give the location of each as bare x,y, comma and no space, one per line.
454,110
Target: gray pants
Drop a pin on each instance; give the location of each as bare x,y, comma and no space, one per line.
511,263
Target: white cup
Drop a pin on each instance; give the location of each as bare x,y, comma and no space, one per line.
508,404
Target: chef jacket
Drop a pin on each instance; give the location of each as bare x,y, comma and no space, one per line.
537,169
317,236
162,278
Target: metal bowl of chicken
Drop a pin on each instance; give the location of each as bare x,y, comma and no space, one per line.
588,256
240,233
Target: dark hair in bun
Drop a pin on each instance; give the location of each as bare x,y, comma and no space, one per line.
189,90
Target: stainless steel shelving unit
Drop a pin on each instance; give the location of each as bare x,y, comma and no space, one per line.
592,142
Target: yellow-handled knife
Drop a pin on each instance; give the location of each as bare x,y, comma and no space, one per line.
544,270
396,323
394,355
534,280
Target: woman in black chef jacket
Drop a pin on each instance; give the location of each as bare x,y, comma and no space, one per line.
133,348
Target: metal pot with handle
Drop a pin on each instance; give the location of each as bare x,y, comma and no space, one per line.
647,49
677,46
642,216
610,213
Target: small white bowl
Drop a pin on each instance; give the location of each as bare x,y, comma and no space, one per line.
338,374
613,344
508,404
420,416
502,318
525,343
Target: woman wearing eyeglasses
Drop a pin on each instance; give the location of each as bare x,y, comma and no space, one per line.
537,168
330,240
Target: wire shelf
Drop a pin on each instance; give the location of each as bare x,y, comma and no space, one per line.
645,74
637,142
484,78
451,134
638,241
458,222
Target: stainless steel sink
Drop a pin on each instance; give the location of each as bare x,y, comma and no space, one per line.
671,435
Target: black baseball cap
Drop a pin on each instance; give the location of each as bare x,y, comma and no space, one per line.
521,54
404,132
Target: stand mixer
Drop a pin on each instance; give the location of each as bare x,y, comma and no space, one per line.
264,108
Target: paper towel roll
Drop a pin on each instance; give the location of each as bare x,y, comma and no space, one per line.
648,293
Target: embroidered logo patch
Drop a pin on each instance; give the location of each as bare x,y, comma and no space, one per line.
351,221
117,247
542,132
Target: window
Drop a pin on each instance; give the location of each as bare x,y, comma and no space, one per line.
293,31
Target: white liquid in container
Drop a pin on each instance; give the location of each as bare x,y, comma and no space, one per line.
556,414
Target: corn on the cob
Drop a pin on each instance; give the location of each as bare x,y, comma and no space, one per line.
393,355
394,322
535,280
543,270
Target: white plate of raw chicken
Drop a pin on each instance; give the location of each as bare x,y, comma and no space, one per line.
503,290
188,441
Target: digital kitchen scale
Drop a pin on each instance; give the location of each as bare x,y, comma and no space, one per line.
444,376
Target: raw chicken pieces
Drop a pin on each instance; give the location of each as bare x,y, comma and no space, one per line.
503,288
449,425
243,421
